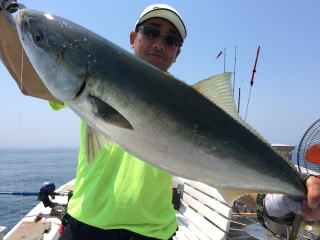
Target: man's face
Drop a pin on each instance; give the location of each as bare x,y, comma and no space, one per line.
155,51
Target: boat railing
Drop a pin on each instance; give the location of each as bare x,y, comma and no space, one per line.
201,211
2,229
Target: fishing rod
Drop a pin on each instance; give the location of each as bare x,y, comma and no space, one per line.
252,78
224,52
234,69
47,189
30,193
224,60
239,98
21,193
255,66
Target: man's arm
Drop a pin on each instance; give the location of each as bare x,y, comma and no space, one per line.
10,53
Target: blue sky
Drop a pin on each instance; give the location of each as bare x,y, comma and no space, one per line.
285,96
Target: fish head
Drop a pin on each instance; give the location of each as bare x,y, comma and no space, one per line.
57,51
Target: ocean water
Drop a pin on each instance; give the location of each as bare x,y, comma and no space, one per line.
26,170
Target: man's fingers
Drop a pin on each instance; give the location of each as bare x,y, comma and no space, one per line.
313,186
308,213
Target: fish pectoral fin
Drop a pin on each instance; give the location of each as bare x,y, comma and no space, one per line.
218,90
94,144
108,114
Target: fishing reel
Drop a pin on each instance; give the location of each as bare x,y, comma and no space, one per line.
47,190
7,7
57,209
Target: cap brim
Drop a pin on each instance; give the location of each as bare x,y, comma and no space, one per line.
168,15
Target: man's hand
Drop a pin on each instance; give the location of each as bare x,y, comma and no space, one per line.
311,207
10,5
1,4
278,205
7,7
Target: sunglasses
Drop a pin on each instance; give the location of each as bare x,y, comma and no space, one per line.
153,33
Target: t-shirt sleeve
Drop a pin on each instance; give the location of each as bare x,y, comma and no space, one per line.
56,106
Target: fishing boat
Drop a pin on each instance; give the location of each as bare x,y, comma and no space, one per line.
201,211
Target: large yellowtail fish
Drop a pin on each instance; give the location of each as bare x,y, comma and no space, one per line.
189,131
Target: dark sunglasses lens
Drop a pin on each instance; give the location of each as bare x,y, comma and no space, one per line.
173,41
150,32
153,33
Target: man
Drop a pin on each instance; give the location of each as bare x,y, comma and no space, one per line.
124,192
118,196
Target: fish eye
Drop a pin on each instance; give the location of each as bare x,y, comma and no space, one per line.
38,37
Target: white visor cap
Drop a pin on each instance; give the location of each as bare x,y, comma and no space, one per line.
167,12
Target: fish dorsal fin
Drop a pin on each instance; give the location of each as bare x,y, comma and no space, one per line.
94,144
219,91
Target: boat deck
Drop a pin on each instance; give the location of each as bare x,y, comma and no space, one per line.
202,215
40,222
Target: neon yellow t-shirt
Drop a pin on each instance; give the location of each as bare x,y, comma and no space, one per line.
119,191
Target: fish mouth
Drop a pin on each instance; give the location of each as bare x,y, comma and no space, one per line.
23,25
20,15
25,19
22,18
